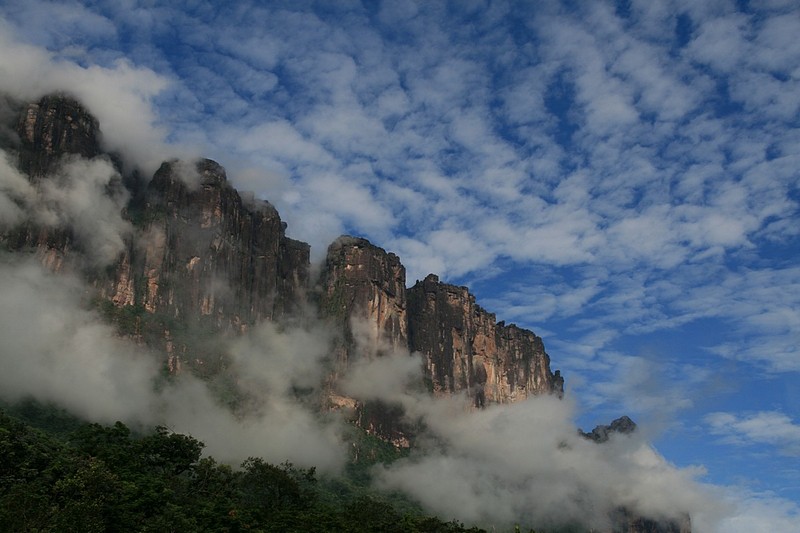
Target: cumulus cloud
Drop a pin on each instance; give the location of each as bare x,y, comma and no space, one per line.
119,95
522,462
526,463
766,427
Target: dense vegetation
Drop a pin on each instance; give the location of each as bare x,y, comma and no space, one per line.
93,478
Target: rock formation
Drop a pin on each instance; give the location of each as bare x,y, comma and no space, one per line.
199,260
465,348
43,134
52,127
601,433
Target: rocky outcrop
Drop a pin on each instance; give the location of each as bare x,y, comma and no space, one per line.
206,262
362,288
601,433
54,126
465,349
362,291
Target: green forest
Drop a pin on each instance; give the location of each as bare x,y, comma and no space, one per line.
58,474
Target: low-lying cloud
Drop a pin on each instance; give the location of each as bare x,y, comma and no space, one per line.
57,351
85,196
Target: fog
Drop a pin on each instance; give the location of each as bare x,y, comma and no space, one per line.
57,351
505,464
524,462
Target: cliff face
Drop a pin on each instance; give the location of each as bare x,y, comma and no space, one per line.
362,288
465,349
206,262
362,291
199,260
52,127
207,255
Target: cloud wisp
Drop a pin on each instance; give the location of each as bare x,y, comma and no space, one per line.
56,351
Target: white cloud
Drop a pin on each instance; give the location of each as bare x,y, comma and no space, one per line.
766,427
120,96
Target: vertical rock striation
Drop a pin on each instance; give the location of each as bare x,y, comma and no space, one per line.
465,349
362,291
54,126
208,256
362,288
206,261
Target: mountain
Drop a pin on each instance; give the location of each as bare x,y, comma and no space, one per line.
181,260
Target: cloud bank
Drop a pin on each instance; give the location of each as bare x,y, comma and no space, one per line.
56,351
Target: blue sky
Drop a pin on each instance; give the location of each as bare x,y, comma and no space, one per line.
622,178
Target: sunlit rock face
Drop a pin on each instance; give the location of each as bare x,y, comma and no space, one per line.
362,292
463,348
466,349
362,288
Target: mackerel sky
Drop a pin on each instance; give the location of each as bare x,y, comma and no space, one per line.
622,178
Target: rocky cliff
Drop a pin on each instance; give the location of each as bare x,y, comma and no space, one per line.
202,260
206,261
193,259
466,349
362,288
43,135
199,260
54,126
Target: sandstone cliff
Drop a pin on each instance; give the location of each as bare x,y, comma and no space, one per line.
465,349
54,126
199,259
43,134
362,291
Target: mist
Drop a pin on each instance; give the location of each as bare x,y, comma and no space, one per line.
522,463
57,351
505,464
121,96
